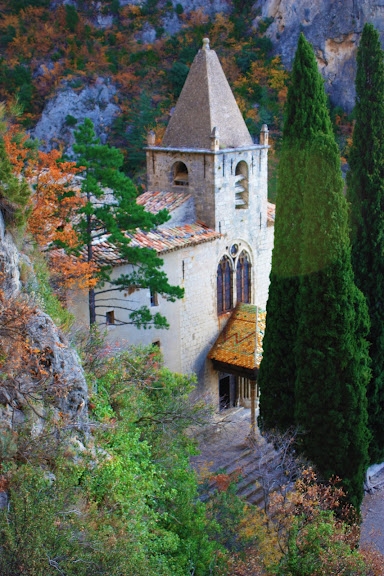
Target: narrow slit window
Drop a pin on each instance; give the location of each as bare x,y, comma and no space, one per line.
154,298
110,317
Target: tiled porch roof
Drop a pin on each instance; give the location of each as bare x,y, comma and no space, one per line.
236,343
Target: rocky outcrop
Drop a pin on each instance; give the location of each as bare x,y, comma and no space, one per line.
38,364
65,382
334,30
73,104
9,263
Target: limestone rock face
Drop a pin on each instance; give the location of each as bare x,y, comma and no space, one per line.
210,7
9,263
94,101
332,27
65,375
64,384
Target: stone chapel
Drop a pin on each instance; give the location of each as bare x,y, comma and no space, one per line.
212,178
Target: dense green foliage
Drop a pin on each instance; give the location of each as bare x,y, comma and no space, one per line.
46,47
317,544
116,213
47,299
116,496
365,182
315,367
124,503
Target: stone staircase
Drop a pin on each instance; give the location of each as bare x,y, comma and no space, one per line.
226,448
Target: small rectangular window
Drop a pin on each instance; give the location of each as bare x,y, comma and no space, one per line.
156,343
110,317
154,298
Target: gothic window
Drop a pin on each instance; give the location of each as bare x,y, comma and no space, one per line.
180,174
241,185
224,286
243,278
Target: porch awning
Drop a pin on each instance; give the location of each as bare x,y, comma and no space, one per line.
238,348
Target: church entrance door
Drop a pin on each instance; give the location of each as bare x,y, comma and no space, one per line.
225,392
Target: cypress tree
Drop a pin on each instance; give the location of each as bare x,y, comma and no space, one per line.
331,352
306,114
365,181
324,351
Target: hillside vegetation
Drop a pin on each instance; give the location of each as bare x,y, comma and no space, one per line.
44,49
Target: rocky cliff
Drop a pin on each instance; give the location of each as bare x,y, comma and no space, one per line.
93,100
38,367
333,27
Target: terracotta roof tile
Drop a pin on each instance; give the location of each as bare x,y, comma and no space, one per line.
158,200
160,240
236,343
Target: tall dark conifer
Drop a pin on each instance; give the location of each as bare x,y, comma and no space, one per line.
306,115
366,194
324,353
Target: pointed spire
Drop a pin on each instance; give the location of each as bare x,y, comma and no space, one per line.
206,102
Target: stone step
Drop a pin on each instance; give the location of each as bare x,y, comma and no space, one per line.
226,448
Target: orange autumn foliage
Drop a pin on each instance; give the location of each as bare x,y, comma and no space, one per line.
15,147
56,200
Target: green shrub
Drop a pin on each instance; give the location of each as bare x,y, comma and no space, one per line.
70,120
71,17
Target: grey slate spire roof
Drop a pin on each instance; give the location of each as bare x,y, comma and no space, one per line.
206,102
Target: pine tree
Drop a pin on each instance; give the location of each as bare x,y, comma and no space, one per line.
365,181
316,317
115,214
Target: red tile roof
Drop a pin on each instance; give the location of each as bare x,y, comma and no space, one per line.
236,344
160,240
156,201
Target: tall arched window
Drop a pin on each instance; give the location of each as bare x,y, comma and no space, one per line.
224,286
243,278
180,174
241,185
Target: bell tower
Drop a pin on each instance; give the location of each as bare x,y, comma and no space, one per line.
207,152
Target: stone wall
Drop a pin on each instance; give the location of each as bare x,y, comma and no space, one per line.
200,164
